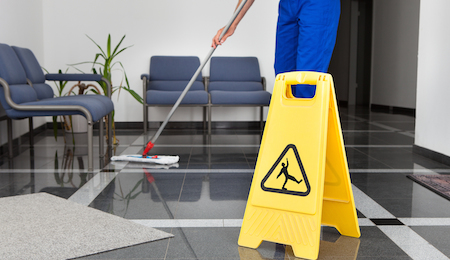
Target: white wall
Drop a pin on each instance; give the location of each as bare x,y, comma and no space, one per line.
433,91
155,27
21,25
394,52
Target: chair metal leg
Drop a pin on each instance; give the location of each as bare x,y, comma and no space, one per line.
110,132
101,137
10,138
144,101
209,120
204,118
31,131
145,118
90,147
261,117
101,141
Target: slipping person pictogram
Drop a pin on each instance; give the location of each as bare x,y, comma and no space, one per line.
284,171
282,166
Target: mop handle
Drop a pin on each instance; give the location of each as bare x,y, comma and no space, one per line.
191,82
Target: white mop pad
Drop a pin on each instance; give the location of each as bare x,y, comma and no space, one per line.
158,159
135,165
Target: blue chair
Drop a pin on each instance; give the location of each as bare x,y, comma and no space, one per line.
168,77
236,81
24,94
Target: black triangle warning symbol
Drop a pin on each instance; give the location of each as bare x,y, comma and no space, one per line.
287,176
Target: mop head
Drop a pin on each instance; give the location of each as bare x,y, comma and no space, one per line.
136,165
158,159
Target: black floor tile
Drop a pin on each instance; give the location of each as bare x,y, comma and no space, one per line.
386,222
399,158
359,160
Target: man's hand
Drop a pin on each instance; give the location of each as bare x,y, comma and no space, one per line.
217,41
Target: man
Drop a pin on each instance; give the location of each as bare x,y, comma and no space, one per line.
305,37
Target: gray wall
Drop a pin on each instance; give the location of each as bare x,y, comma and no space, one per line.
21,25
433,91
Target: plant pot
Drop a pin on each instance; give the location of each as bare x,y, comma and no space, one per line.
79,124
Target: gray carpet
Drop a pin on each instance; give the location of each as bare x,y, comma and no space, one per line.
43,226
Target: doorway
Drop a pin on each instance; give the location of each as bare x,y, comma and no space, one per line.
350,64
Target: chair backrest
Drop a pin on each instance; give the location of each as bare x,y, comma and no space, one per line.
172,73
235,74
34,72
13,73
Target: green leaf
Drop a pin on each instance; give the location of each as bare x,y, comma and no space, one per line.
135,95
108,45
133,197
95,91
96,58
97,45
114,55
117,46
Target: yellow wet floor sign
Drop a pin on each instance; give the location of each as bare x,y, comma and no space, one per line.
301,179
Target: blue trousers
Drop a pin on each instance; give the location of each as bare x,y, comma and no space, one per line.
306,35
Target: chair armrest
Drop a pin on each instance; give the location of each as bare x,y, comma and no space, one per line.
79,77
73,77
263,81
145,76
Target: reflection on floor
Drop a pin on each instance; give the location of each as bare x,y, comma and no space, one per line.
201,200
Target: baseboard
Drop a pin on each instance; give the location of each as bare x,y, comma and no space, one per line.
25,138
393,110
435,156
342,103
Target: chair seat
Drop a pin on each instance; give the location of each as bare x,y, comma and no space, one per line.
158,97
235,86
174,85
219,97
97,105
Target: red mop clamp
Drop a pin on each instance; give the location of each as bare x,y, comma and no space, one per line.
147,149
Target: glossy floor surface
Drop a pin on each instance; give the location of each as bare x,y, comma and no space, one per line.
202,199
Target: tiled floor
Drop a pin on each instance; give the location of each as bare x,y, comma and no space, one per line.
202,199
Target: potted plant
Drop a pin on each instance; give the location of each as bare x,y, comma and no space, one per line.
74,123
78,123
105,63
66,121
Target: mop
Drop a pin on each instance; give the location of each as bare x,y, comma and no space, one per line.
169,159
